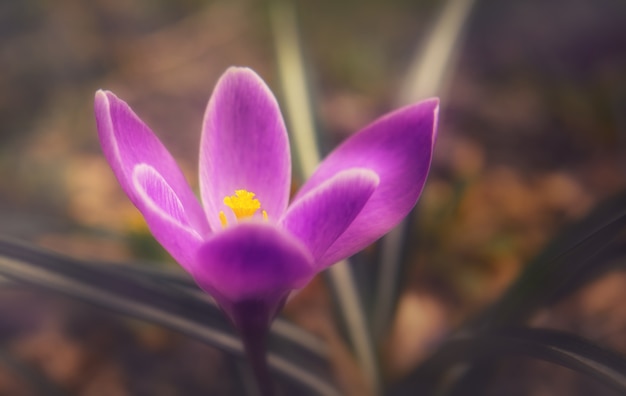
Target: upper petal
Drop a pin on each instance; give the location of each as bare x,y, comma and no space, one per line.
244,146
252,261
150,177
398,148
323,214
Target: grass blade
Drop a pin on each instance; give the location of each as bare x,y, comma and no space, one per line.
551,274
142,298
575,257
435,61
564,349
281,328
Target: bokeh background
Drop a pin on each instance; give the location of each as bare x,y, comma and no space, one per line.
532,137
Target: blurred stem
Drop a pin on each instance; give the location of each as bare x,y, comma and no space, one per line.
435,60
298,105
293,81
427,76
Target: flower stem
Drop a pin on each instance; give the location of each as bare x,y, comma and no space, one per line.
251,318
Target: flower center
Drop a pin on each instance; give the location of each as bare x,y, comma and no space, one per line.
243,204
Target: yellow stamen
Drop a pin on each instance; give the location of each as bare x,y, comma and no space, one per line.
265,215
243,204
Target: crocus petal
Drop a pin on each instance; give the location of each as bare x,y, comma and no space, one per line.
322,215
244,146
252,261
150,177
166,215
398,148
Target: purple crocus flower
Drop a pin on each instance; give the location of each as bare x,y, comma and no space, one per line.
245,245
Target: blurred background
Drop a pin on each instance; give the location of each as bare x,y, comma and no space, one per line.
532,136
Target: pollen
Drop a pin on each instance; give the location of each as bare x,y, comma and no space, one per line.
223,219
243,205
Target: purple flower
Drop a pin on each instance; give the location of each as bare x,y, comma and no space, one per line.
245,245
